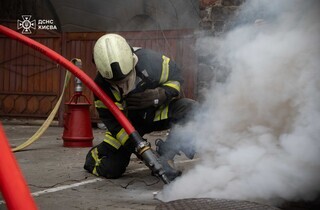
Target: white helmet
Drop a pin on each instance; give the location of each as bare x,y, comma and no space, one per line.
113,57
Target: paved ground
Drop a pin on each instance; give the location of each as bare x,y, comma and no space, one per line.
57,180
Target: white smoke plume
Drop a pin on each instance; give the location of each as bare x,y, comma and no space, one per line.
258,132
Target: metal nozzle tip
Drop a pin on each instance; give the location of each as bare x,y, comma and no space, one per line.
165,179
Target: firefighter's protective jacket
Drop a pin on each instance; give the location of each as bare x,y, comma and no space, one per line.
152,70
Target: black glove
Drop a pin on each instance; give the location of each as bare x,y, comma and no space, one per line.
149,97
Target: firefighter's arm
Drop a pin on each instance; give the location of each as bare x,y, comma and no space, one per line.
115,136
172,89
150,97
171,78
168,78
154,97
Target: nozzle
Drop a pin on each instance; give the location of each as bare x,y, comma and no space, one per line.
152,161
148,156
165,179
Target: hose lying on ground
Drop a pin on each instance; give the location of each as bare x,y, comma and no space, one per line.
47,122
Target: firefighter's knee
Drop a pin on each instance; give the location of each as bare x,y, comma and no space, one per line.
111,166
90,161
111,169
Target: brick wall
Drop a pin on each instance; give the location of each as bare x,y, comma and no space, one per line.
216,14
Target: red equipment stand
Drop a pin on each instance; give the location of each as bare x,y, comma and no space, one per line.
77,123
12,184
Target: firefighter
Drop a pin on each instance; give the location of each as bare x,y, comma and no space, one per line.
146,86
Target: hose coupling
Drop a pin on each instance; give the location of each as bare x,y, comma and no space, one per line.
142,147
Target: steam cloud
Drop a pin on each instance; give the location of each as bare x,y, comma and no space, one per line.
258,132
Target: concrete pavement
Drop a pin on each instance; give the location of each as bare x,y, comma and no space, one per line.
57,180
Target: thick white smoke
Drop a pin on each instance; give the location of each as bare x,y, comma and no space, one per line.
258,132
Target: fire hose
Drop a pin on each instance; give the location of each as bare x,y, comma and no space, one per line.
47,122
143,148
12,184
